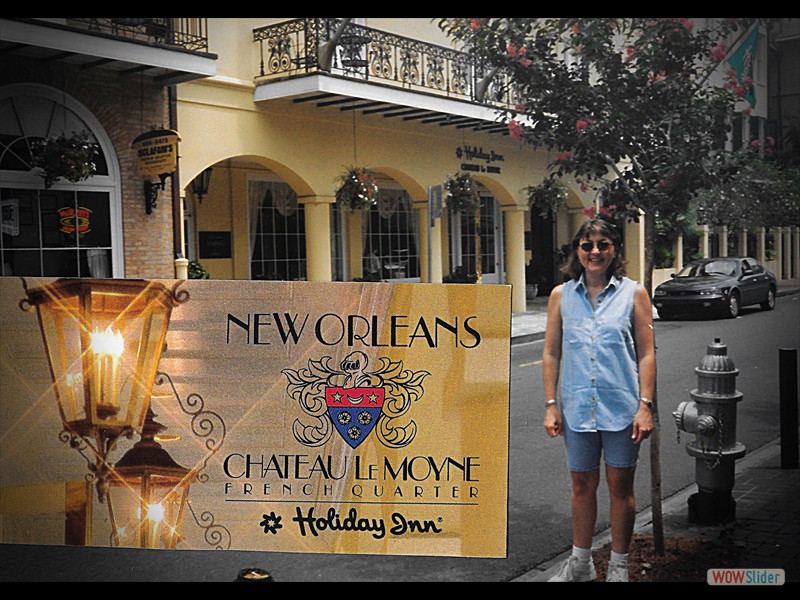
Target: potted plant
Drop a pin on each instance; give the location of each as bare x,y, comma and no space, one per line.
71,157
462,193
357,189
197,271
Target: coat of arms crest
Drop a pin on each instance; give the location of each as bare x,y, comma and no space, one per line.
354,402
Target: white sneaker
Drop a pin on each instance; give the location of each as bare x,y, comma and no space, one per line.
573,569
617,572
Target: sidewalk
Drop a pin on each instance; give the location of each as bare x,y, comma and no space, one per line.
767,525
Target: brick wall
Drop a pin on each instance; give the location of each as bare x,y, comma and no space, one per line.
126,106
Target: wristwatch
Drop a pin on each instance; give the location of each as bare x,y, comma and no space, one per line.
647,402
550,402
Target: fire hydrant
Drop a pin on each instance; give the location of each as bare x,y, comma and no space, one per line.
711,416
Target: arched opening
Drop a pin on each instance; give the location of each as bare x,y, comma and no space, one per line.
69,228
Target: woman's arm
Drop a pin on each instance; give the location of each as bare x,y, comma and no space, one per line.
644,339
551,361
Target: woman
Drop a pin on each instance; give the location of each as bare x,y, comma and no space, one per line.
599,338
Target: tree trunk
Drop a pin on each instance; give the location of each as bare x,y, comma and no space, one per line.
655,437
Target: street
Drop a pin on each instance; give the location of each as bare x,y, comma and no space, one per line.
539,495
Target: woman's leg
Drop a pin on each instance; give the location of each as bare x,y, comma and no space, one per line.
584,506
623,506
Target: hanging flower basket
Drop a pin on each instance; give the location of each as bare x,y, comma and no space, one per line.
70,157
462,193
357,189
548,197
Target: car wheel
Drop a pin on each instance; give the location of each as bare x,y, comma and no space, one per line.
769,303
733,305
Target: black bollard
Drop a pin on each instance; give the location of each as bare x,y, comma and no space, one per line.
787,367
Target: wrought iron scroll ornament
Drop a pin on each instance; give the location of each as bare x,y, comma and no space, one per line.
203,421
215,534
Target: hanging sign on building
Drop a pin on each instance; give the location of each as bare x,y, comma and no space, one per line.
156,152
358,418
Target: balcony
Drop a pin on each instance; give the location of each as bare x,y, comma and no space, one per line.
378,73
167,49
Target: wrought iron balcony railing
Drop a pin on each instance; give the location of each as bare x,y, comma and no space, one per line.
302,46
188,33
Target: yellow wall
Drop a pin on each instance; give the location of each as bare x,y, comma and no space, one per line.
309,147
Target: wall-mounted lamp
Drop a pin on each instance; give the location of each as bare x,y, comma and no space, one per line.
151,192
200,184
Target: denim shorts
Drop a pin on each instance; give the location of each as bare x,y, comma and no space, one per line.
585,447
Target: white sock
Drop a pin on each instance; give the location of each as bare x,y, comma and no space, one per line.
583,554
619,558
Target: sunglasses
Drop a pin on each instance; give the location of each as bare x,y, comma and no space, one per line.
602,246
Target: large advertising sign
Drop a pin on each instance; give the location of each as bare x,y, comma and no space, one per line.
364,418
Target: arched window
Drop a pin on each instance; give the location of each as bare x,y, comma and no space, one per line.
66,230
277,232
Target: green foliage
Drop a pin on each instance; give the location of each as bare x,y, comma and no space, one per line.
752,191
626,104
197,271
460,275
69,157
357,189
462,193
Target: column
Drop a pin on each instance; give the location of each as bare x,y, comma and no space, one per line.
761,245
796,254
355,253
432,244
634,249
678,251
704,242
787,252
318,239
743,241
723,240
777,234
515,256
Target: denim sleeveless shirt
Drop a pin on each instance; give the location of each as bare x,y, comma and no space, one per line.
600,373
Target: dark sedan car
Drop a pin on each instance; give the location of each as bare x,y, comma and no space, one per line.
716,285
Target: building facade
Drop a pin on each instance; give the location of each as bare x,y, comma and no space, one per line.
270,113
106,81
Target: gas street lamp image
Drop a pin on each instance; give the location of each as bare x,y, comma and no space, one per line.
103,339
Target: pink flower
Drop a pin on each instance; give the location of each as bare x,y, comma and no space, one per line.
525,62
584,188
580,126
662,182
512,50
755,144
563,155
588,212
515,130
475,24
718,53
770,140
629,52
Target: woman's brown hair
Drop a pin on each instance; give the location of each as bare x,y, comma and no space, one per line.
573,266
